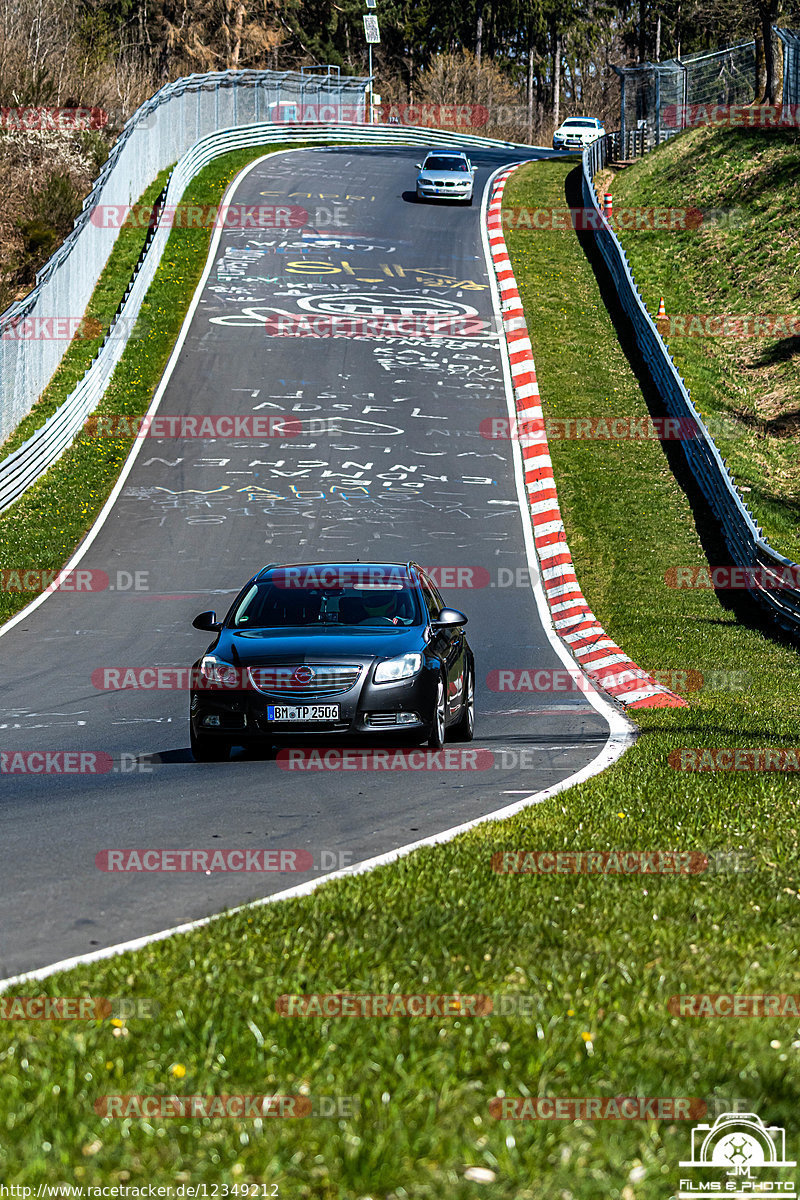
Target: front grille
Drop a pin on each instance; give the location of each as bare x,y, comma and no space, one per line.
327,679
378,718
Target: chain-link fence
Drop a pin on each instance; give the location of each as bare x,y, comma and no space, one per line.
791,72
157,135
658,97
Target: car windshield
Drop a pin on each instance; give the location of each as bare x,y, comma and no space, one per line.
439,163
281,603
579,122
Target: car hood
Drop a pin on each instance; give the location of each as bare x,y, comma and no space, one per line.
577,133
447,176
296,645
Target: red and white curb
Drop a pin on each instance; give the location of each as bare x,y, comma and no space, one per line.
601,658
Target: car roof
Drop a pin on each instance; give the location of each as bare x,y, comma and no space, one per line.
446,153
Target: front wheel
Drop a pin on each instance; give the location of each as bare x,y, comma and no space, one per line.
437,734
209,749
464,728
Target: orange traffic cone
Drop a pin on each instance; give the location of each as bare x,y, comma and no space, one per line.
662,311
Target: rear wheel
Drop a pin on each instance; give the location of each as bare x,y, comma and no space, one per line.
464,728
437,733
209,749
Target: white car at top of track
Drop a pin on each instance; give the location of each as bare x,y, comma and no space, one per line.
577,132
446,175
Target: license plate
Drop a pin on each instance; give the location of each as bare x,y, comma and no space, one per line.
303,712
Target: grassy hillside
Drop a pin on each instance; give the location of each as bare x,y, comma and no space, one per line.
746,265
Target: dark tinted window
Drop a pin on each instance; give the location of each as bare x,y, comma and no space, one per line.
269,606
440,163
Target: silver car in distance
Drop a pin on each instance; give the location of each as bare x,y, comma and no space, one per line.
446,175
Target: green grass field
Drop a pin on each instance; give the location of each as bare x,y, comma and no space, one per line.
597,956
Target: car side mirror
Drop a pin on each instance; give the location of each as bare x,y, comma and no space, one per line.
448,618
418,166
207,621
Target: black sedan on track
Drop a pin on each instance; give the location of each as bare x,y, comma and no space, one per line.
332,649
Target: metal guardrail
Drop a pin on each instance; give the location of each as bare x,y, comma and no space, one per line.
22,468
632,143
746,546
158,133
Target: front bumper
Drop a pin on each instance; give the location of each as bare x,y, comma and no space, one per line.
574,146
365,710
445,193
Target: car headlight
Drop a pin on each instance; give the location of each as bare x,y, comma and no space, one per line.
427,182
214,671
398,668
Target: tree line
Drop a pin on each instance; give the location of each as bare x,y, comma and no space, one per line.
549,57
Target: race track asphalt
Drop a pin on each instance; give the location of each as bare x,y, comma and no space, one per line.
403,471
